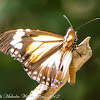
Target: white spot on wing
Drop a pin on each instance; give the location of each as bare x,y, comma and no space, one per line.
18,59
35,72
18,35
12,50
34,77
19,56
56,86
47,83
52,85
23,58
12,55
18,46
48,79
26,63
29,73
43,82
16,52
43,77
38,79
26,69
40,75
28,30
20,30
15,41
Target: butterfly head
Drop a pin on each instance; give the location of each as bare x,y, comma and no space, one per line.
71,35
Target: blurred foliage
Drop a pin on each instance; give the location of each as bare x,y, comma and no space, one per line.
47,15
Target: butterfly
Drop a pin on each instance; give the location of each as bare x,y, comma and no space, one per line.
46,56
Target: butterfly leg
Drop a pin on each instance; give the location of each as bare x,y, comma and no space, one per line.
79,53
79,46
72,73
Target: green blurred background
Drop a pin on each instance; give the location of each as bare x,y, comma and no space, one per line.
48,15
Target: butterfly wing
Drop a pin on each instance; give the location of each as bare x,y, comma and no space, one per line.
39,51
50,74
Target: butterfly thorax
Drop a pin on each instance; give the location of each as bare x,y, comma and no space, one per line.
70,40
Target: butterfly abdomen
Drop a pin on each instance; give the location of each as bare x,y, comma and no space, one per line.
72,73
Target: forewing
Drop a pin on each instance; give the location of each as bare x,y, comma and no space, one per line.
37,50
25,43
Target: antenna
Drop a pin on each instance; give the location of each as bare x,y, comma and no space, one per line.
68,20
88,23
